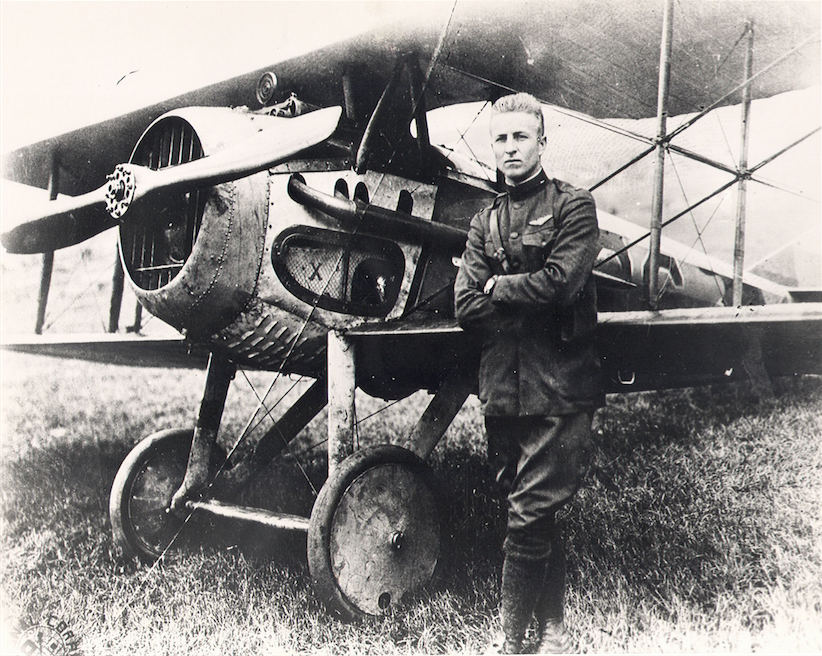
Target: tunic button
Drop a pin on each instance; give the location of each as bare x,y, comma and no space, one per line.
514,235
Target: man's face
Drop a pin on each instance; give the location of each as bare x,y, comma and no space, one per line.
517,145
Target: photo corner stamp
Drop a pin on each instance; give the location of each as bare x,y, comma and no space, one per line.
50,635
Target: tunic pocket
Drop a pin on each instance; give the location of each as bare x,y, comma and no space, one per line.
537,244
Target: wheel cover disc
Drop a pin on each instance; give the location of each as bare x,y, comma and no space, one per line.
384,538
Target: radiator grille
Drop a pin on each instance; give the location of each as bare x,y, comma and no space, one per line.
158,237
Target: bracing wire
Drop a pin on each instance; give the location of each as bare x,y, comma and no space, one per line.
433,63
724,135
357,423
645,236
267,413
462,134
699,230
54,317
261,401
242,437
747,82
737,176
339,260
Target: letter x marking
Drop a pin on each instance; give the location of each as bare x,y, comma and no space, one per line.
316,273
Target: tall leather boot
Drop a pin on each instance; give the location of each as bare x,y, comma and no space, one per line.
521,585
550,606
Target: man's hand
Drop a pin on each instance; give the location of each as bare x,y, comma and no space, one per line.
489,285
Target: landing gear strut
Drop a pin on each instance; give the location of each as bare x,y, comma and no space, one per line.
374,535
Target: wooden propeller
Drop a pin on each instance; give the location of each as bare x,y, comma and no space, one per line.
51,225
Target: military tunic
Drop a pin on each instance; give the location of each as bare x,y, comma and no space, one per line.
537,327
539,378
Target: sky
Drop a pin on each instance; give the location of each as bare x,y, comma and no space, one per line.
68,64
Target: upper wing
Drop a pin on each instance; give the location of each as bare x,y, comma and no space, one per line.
600,58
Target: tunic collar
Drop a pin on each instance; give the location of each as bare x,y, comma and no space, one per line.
527,188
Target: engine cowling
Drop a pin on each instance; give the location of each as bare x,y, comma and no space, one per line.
193,258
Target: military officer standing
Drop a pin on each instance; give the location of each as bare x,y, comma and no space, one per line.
526,291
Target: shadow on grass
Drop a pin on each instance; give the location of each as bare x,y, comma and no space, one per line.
674,507
63,490
683,504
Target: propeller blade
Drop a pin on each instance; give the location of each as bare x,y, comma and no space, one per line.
71,220
51,225
277,140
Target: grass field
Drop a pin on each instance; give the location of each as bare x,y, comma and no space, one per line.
697,531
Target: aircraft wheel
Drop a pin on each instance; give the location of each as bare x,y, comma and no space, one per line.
374,533
142,490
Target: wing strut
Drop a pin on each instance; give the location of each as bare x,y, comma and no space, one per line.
661,144
741,190
48,256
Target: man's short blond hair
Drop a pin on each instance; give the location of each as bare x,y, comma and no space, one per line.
521,102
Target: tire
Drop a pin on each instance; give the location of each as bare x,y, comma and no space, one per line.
142,490
374,537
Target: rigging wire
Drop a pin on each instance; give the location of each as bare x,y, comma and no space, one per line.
96,300
433,63
666,223
621,131
340,258
71,303
598,82
787,190
737,176
242,437
622,168
261,405
699,231
724,135
380,411
463,140
747,82
380,181
561,110
731,51
782,151
684,14
214,478
267,413
316,445
674,132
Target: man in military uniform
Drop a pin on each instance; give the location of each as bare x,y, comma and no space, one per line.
525,289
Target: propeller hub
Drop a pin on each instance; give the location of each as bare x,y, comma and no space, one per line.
120,189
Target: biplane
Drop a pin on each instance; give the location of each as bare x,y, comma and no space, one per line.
300,219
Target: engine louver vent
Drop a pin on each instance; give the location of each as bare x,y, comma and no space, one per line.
158,238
